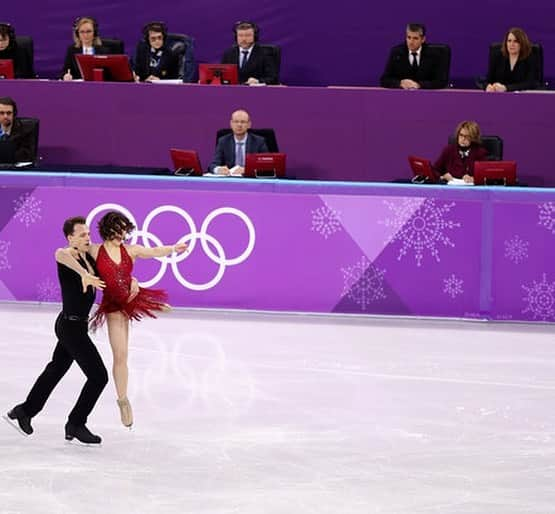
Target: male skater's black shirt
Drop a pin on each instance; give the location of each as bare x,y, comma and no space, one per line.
75,302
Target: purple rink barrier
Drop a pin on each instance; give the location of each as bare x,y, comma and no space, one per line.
351,134
301,246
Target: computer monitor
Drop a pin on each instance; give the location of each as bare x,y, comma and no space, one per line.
113,68
217,74
495,173
7,152
6,69
422,170
185,162
265,165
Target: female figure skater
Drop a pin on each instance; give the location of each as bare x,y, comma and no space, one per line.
122,301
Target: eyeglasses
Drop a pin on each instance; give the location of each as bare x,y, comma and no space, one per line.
465,136
89,31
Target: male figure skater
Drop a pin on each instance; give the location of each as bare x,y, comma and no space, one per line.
76,272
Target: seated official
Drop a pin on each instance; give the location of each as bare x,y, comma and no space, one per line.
413,65
457,159
13,130
514,67
9,49
231,149
255,65
86,40
153,58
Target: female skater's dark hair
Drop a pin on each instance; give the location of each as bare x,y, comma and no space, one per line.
113,224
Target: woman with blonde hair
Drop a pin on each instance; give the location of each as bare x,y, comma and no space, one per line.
86,40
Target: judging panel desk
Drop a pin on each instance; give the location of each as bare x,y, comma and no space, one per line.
302,246
354,134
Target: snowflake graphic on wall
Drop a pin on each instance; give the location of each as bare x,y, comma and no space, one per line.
48,291
326,221
453,286
516,249
547,216
4,262
423,230
27,209
540,299
363,282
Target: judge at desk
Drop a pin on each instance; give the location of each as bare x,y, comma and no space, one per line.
229,158
11,129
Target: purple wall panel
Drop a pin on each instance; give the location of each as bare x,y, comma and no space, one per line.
322,44
426,251
327,133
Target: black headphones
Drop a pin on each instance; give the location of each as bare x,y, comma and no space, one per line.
10,30
155,26
245,25
90,19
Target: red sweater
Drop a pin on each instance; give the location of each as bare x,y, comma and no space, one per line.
450,161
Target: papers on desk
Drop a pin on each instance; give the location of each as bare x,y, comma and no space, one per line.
459,182
168,81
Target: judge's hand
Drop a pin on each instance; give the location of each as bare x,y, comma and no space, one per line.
409,84
468,179
222,170
151,78
252,80
68,75
447,176
91,280
500,88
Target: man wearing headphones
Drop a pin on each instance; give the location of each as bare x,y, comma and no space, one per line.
9,49
154,60
11,129
255,65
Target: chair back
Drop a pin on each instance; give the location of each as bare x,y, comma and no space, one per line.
274,52
492,144
443,52
33,124
115,46
26,43
183,45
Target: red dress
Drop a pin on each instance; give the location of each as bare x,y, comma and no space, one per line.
117,278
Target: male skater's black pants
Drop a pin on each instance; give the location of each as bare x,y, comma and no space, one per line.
74,344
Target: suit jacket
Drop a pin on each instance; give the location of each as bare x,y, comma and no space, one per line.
225,150
23,65
523,76
169,63
24,141
429,75
450,161
260,65
70,63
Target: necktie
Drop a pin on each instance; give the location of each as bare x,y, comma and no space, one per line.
414,61
3,136
244,58
240,157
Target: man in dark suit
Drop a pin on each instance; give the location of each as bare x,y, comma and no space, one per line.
231,149
12,129
255,64
413,65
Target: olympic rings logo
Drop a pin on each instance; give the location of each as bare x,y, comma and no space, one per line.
194,235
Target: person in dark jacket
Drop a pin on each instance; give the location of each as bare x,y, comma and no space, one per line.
514,67
12,129
153,58
457,159
9,49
